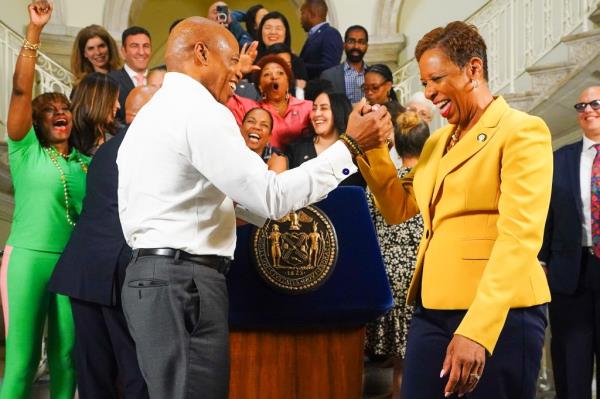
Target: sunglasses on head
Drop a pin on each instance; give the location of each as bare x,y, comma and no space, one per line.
580,107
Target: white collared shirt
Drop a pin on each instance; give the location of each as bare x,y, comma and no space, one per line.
183,162
315,28
588,153
132,74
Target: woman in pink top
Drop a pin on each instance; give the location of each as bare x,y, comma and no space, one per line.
290,115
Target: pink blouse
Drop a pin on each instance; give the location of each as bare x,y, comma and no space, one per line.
286,128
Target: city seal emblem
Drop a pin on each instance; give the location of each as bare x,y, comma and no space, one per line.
296,253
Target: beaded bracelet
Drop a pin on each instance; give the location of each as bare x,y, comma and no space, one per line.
27,45
354,143
352,146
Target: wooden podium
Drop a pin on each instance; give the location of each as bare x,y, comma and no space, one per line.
310,345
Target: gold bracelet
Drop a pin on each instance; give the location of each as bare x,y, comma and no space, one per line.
351,143
354,142
27,45
28,56
354,150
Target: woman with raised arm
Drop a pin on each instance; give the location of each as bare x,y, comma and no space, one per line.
482,185
49,182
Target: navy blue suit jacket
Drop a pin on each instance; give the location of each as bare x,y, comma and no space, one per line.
125,87
93,263
322,50
562,247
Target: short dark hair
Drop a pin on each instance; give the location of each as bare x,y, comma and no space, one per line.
37,109
459,41
131,31
318,6
259,109
278,48
250,20
410,134
356,27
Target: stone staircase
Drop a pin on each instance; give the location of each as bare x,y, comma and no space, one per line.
541,54
555,87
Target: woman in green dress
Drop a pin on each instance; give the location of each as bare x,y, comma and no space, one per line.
48,176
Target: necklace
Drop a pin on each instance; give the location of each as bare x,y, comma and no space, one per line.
454,138
54,154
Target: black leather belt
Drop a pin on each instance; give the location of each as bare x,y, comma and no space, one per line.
219,263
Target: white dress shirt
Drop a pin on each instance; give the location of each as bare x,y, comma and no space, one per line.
183,162
133,75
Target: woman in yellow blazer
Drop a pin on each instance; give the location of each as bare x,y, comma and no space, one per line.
482,185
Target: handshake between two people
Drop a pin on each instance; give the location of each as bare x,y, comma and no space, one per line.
370,126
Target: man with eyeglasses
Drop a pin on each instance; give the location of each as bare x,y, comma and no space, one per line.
349,76
570,255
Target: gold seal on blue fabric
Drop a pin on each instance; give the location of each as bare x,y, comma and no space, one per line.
296,253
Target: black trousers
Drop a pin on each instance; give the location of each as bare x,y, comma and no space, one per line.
510,373
106,362
575,327
177,313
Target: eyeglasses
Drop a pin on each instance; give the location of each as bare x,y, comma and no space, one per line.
360,42
594,104
366,87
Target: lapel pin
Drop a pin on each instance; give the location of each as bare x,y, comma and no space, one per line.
481,137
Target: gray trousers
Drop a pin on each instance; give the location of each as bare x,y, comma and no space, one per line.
177,314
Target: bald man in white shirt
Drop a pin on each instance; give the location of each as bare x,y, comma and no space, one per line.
182,166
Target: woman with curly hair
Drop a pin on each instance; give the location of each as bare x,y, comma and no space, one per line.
48,175
482,186
290,114
94,50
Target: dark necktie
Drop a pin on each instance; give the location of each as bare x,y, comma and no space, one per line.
595,202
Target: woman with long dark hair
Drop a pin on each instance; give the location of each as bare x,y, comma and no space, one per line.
49,181
95,103
275,28
328,119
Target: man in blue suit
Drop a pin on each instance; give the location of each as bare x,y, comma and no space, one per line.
323,47
91,272
570,259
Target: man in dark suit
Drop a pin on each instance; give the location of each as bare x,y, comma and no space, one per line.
91,272
349,76
571,256
136,48
324,45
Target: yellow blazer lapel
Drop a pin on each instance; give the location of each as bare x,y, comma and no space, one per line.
471,143
427,169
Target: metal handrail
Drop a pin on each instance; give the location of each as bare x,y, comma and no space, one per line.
51,77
